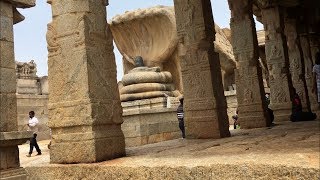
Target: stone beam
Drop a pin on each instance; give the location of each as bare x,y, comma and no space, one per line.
85,114
22,3
250,90
296,61
278,62
204,101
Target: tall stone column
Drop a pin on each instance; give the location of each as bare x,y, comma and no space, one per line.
85,114
10,138
250,90
296,61
278,62
204,101
308,62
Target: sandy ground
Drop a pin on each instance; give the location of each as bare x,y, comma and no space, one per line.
289,144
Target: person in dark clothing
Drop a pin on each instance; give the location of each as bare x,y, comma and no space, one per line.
297,113
270,111
180,115
235,119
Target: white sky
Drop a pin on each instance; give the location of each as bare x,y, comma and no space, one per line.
30,35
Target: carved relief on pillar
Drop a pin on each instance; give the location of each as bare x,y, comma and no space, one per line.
296,61
250,89
308,65
278,62
84,99
201,71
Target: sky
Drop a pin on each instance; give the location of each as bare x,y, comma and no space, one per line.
30,34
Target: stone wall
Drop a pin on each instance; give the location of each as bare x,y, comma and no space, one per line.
38,104
32,95
150,121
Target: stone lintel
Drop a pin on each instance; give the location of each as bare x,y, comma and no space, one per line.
23,3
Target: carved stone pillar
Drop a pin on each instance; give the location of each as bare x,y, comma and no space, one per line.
314,39
296,62
204,101
250,89
10,138
308,65
85,114
278,63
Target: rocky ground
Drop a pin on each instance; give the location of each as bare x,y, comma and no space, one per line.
286,151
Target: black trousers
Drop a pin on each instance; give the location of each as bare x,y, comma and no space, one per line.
181,126
33,143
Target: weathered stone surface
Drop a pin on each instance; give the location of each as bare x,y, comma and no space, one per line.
23,3
278,63
308,62
38,104
296,61
250,89
150,120
159,45
286,151
7,54
201,71
84,105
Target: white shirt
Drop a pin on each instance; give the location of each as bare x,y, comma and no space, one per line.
33,124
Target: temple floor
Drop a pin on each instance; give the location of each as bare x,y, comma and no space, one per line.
285,151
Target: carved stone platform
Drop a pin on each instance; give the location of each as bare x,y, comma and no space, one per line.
150,121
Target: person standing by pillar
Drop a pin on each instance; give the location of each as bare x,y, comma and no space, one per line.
33,126
180,115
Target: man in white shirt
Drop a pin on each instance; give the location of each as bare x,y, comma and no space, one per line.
33,126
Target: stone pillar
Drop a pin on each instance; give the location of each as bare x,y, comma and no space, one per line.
308,62
278,63
10,138
85,114
250,90
296,62
204,101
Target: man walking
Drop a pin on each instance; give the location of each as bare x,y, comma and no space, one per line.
33,126
180,116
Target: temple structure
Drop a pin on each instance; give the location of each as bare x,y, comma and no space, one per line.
32,95
85,112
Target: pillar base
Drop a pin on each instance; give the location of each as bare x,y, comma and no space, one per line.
281,112
88,147
9,152
253,121
203,129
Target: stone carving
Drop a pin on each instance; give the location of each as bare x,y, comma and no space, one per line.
143,83
296,61
250,89
208,97
26,70
159,45
277,60
84,104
